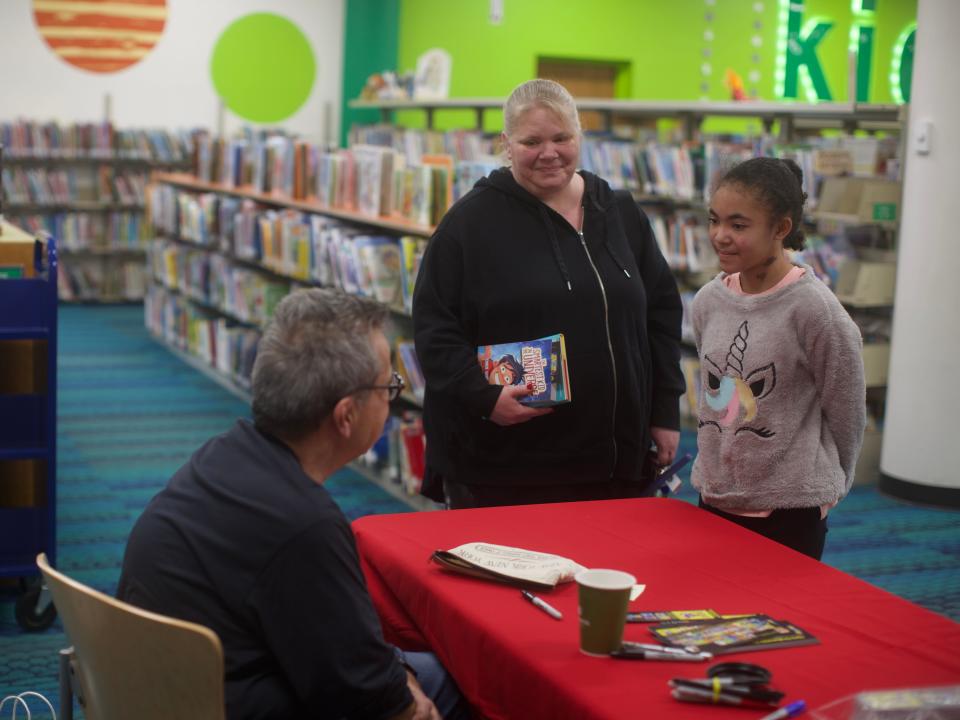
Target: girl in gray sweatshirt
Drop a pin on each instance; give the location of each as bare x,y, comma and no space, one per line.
782,406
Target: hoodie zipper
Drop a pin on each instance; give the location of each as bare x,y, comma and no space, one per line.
606,323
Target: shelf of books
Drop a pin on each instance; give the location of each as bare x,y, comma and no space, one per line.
790,116
257,220
85,184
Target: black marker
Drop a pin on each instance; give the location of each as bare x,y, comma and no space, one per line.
548,609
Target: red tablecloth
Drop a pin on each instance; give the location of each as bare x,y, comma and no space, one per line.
513,661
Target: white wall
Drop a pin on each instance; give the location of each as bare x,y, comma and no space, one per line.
919,439
172,86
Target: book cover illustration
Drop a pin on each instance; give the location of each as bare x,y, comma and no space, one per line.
409,366
412,249
374,172
541,363
671,616
730,635
378,267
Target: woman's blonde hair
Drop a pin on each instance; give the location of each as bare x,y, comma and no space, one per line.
539,93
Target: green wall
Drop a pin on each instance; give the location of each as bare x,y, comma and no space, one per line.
662,40
370,45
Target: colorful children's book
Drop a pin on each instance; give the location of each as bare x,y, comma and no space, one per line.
409,366
411,254
378,265
670,616
733,634
541,363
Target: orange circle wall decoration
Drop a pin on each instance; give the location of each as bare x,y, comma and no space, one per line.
101,36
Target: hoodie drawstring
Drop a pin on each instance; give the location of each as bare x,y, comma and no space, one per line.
617,260
620,264
557,255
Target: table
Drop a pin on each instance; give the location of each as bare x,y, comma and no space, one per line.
513,661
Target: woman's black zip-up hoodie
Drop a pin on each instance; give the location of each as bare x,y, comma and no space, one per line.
503,267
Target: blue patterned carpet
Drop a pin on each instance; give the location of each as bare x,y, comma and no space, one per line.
130,413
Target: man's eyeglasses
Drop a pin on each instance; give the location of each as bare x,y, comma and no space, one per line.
395,387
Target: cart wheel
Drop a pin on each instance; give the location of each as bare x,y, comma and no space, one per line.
29,616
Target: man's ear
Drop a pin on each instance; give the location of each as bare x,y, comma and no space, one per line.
344,415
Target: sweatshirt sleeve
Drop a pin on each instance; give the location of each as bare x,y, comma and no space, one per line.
447,356
835,351
664,315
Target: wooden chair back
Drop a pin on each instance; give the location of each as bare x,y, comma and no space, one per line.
131,663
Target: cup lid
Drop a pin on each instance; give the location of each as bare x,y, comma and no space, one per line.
606,579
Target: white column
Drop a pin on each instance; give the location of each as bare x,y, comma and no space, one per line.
922,424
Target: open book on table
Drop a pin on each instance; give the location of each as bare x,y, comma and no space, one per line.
524,568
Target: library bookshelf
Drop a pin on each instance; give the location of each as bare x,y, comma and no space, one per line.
84,183
95,206
391,224
213,323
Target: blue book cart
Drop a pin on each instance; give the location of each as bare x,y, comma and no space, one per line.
28,413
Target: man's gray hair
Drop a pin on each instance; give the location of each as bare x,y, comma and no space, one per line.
315,350
540,93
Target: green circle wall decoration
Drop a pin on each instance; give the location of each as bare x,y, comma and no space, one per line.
263,67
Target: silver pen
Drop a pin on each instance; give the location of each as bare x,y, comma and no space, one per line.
629,644
676,657
547,608
638,654
664,652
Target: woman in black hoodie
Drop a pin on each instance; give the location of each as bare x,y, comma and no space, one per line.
533,250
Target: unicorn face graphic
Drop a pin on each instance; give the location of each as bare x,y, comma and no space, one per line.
733,393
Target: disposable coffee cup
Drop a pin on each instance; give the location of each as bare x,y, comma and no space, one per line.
603,598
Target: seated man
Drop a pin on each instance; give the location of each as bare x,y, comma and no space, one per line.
246,540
